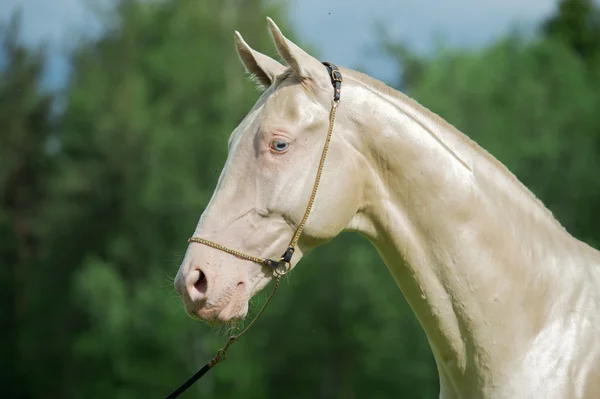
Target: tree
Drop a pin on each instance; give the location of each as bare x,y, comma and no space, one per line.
25,117
117,181
577,24
150,106
143,138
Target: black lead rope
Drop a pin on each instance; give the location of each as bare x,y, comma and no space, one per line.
336,81
189,382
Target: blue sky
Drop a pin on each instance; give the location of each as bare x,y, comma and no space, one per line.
343,31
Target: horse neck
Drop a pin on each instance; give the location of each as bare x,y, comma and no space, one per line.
473,251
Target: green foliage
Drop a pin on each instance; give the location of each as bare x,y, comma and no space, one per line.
25,121
577,24
144,136
98,201
346,321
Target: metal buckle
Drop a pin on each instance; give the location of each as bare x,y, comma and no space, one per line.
283,270
336,76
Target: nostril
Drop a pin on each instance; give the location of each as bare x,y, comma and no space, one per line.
240,284
201,283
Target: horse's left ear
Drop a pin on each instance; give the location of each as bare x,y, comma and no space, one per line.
303,64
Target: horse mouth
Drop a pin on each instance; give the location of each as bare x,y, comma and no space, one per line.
232,311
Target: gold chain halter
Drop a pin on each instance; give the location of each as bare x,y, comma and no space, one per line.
336,81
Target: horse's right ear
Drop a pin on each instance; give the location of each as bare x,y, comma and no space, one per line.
263,68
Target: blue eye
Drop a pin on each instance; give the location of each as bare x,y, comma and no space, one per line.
279,145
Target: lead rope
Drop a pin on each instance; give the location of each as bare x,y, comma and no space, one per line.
336,80
222,353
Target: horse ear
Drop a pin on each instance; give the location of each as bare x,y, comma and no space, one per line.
303,64
263,68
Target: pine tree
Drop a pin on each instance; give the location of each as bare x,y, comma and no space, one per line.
577,23
26,127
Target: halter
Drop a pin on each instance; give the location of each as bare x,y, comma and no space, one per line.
286,258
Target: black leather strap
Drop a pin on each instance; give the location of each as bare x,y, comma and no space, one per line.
336,79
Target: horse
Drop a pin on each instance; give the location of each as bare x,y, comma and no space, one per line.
508,299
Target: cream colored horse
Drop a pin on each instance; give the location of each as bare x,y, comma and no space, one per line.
510,302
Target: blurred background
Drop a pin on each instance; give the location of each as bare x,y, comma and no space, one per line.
114,118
